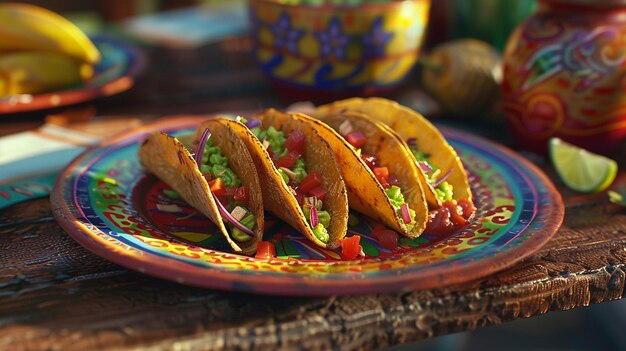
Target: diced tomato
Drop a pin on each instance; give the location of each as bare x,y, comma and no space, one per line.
297,154
207,176
295,141
241,194
350,247
265,250
312,180
382,175
230,191
356,139
318,192
386,238
287,161
381,172
467,207
370,160
217,186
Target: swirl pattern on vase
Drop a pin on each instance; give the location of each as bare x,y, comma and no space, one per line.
564,76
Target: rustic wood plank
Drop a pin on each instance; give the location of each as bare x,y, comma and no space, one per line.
56,295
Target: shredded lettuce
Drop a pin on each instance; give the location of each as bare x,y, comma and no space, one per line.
395,195
276,139
300,170
217,164
323,218
444,191
218,159
321,233
397,199
258,133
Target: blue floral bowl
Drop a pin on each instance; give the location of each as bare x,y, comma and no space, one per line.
326,51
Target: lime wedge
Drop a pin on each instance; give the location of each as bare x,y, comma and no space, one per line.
580,169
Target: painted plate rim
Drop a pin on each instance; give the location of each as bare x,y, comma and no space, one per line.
135,59
443,274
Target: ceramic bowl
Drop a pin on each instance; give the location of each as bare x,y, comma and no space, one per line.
329,51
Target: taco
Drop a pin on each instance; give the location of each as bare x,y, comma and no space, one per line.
379,173
218,180
302,184
445,178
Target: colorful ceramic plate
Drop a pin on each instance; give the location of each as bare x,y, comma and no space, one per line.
106,202
114,74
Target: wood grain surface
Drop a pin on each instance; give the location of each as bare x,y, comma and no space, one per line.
55,295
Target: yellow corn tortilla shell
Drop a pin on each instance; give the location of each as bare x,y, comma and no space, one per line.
365,193
318,157
410,124
171,162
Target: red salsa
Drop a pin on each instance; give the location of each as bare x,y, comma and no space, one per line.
451,216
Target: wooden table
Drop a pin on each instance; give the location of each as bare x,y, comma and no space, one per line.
55,295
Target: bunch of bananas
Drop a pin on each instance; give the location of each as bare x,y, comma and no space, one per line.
41,51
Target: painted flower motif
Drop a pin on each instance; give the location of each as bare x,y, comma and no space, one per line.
332,40
284,35
376,40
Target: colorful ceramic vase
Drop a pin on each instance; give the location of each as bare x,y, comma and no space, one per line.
565,75
318,52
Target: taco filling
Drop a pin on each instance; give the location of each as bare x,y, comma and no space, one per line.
443,190
227,189
286,153
452,214
236,210
388,180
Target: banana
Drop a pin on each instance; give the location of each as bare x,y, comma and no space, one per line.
32,72
29,27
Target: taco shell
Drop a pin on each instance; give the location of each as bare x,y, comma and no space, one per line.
365,193
171,162
277,196
409,124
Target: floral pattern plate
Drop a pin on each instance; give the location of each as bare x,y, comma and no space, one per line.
120,63
107,202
